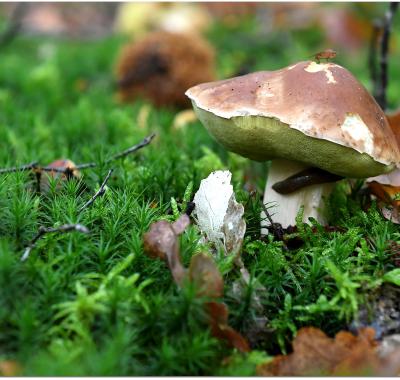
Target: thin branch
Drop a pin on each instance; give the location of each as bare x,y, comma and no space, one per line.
143,143
381,93
43,231
32,165
86,166
98,193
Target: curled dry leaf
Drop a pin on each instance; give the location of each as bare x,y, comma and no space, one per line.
206,275
314,353
218,313
162,242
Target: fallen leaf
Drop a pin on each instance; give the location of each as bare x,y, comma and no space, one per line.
162,242
9,368
218,313
314,353
205,274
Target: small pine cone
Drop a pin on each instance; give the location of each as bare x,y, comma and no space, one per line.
162,66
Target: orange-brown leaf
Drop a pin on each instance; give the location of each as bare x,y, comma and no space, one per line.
161,241
388,200
314,353
218,314
205,274
9,368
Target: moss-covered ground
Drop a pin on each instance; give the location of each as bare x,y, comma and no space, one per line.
96,304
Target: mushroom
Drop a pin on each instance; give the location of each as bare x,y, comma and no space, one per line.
307,115
161,66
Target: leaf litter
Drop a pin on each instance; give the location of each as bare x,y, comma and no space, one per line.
162,242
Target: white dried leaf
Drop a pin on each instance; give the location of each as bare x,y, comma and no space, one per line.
217,213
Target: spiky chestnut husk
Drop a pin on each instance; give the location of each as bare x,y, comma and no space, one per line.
162,66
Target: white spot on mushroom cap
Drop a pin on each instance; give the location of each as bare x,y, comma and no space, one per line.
354,126
314,67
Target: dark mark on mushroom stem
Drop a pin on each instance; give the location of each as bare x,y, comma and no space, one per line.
307,177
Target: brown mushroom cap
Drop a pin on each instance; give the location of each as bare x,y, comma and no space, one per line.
318,114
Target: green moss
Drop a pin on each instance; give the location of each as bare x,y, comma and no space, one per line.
96,304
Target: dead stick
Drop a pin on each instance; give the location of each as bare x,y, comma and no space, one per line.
381,93
98,193
43,231
143,143
32,165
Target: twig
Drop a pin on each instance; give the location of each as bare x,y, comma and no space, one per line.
86,166
143,143
14,24
98,193
32,165
35,165
381,92
43,231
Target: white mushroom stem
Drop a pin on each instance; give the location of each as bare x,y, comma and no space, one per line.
284,208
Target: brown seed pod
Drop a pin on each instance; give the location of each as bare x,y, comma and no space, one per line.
162,66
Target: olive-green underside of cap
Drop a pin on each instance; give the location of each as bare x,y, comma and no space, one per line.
260,138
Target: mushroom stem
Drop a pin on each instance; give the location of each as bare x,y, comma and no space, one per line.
284,207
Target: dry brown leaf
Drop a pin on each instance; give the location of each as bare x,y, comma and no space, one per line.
218,313
9,368
162,242
385,193
205,274
314,353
